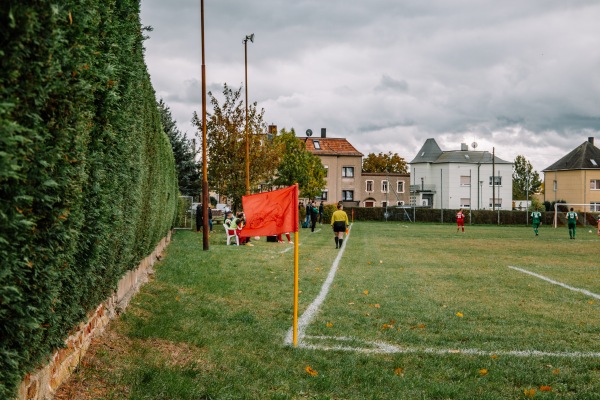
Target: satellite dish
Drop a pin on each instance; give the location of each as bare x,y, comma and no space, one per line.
309,132
474,145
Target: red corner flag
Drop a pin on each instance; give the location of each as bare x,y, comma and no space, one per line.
271,213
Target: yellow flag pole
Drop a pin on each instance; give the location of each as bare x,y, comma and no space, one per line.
295,323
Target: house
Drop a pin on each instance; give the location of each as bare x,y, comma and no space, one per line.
384,189
575,178
343,164
460,179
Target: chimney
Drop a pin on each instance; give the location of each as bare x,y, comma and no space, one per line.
591,139
323,132
464,147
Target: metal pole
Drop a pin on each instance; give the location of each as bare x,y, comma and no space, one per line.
251,38
204,161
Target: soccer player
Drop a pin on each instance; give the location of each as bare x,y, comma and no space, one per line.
460,220
536,218
572,219
339,223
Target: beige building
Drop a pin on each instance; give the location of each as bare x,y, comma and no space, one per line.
343,164
575,178
347,183
385,190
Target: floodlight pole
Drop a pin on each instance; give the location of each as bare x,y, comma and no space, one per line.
205,197
251,38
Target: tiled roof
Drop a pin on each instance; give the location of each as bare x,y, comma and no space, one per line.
584,156
330,146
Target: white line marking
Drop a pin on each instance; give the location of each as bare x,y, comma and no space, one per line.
586,292
289,248
312,310
386,348
315,231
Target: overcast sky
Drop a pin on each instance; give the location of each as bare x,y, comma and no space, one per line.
522,76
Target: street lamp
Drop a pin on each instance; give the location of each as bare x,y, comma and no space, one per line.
250,38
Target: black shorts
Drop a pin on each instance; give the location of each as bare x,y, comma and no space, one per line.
339,226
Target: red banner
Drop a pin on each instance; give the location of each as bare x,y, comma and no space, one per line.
271,213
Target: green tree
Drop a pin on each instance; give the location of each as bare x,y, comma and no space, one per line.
525,179
384,163
298,165
188,170
226,146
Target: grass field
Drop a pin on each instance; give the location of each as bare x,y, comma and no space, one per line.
413,311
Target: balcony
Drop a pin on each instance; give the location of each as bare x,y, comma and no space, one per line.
430,188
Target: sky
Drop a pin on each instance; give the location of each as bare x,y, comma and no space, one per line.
520,77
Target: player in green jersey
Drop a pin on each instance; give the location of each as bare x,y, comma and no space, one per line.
572,222
536,218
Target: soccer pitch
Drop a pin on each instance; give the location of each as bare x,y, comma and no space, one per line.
424,288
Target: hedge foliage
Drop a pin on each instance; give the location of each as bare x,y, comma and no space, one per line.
87,177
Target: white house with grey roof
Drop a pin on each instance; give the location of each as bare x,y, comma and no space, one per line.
462,178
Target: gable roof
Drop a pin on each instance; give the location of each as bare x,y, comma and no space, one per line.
330,147
432,153
584,156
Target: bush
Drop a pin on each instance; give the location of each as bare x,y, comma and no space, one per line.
87,177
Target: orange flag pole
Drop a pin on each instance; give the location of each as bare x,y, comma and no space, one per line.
295,323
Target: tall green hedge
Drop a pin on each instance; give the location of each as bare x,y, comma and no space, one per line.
87,177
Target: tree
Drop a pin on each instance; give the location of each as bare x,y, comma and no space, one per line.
226,146
188,170
525,179
298,165
384,163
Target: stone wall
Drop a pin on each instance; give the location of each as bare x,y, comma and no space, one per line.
42,384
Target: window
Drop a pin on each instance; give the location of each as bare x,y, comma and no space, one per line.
498,203
594,163
400,187
555,186
324,195
384,187
497,180
595,207
465,202
384,204
465,181
317,145
347,195
369,186
595,184
326,170
348,172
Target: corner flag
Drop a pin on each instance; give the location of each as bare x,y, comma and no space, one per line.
271,213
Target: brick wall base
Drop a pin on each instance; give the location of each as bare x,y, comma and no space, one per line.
42,384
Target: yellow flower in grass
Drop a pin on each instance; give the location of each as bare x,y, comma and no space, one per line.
329,324
399,371
483,372
311,371
545,388
459,314
529,393
556,371
365,292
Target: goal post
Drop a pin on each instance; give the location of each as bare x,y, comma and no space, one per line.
581,208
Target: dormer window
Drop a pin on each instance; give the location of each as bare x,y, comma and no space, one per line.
317,145
593,162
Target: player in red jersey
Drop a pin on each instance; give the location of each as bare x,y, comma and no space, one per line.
460,220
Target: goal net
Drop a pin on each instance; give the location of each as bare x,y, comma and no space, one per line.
588,213
185,213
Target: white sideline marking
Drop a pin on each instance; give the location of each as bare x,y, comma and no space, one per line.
542,277
311,311
386,348
289,248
